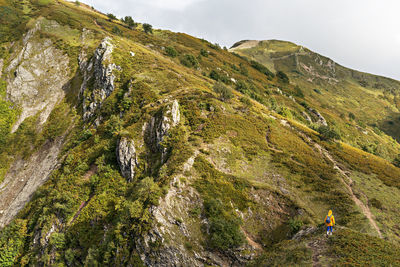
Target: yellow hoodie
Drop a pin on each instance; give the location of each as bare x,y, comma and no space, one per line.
332,223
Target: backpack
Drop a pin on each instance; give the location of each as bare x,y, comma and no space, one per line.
328,219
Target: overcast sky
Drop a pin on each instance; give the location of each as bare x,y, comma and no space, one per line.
360,34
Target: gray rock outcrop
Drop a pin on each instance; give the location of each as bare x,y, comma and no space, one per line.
28,83
101,69
160,126
320,119
127,158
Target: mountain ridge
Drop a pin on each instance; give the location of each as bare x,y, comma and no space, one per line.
163,149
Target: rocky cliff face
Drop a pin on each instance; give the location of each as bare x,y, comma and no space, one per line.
99,77
127,159
160,125
29,86
24,178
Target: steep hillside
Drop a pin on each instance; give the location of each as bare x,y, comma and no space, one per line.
121,147
360,105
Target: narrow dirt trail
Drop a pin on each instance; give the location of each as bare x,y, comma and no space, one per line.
364,208
251,242
317,247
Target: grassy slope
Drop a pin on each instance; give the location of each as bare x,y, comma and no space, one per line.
283,167
372,99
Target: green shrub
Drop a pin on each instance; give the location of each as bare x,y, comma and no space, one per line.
224,92
242,87
376,203
12,241
147,28
171,52
189,61
327,133
285,112
117,31
282,77
204,52
219,76
286,253
298,92
111,16
295,225
356,249
246,101
224,228
261,68
243,70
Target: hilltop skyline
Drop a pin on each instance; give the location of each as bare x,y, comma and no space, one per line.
352,34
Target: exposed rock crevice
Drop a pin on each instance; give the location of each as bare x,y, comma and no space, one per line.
127,158
98,77
160,126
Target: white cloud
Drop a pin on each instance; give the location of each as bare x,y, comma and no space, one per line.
169,4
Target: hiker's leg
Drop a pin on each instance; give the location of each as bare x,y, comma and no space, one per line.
327,230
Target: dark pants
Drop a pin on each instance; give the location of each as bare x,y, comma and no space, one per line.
329,229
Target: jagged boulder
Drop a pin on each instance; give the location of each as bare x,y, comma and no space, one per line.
127,158
101,69
320,119
160,125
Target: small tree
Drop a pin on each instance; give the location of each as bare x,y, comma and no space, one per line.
77,3
128,20
111,16
147,28
224,92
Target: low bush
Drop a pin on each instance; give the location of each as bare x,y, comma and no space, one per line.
189,61
261,68
171,52
356,249
111,16
282,77
224,92
117,31
204,52
327,133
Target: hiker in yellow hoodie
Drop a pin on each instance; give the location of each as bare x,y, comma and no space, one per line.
330,222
